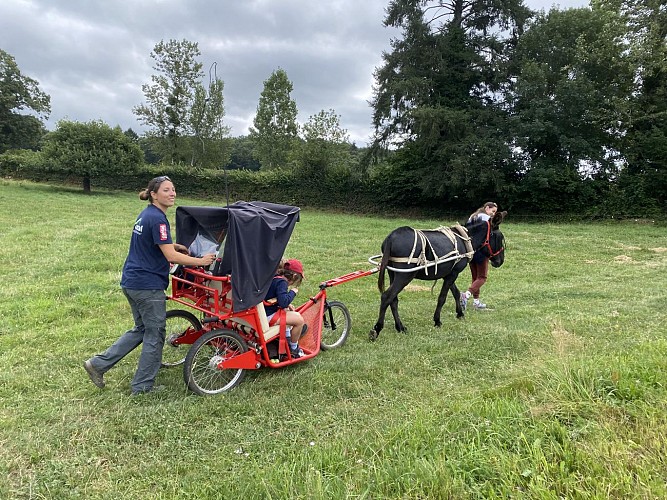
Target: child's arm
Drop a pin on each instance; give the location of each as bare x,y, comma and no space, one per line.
283,296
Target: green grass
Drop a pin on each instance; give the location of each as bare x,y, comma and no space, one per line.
559,392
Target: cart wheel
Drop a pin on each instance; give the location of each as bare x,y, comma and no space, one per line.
178,322
201,371
336,325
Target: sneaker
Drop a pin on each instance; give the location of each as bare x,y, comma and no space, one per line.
464,299
96,376
478,305
297,353
152,390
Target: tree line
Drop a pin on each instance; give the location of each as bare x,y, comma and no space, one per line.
559,112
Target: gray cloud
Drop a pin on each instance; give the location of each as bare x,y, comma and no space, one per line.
92,57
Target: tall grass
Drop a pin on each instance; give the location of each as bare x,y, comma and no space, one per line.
558,392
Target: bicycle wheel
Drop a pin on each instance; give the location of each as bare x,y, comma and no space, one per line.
201,371
336,325
178,323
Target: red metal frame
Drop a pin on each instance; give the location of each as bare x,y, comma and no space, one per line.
211,295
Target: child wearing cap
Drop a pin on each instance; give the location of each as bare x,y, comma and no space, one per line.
289,274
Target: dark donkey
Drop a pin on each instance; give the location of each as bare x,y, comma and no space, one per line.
436,254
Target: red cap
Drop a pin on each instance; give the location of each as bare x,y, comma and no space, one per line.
294,265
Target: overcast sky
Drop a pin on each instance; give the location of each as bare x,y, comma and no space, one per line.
92,56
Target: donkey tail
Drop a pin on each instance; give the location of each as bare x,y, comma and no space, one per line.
383,264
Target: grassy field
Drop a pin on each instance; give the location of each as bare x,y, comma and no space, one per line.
558,392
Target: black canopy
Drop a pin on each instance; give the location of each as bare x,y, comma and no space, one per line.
257,234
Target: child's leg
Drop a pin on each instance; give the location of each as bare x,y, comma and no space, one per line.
295,320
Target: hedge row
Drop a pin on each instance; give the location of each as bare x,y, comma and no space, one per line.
277,186
337,190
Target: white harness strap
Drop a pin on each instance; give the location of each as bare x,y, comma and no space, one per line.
457,231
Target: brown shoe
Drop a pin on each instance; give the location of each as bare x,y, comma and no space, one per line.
95,376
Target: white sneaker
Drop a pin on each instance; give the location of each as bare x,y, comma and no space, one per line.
464,299
478,305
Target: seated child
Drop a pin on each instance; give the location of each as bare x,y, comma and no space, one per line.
289,274
203,245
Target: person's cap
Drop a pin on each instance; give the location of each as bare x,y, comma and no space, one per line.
294,265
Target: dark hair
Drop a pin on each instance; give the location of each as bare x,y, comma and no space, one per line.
153,185
292,277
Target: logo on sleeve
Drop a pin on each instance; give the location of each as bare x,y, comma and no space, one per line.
138,228
164,236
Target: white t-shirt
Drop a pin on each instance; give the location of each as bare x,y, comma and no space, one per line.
482,217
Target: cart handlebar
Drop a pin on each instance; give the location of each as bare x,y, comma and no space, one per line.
347,277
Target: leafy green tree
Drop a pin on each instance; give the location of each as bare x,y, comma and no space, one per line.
171,94
644,176
241,157
185,119
437,96
19,93
570,104
275,130
88,149
573,82
209,149
326,145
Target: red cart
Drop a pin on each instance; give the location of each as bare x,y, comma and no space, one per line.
225,330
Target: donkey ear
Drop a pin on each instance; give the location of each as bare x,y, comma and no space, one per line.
498,218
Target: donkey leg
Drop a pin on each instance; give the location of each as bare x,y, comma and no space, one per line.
442,298
399,282
385,300
455,290
400,327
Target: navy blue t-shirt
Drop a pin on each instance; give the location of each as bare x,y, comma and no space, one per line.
146,267
278,290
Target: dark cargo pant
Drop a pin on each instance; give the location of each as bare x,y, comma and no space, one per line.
150,316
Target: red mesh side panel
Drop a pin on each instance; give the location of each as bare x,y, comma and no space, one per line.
313,316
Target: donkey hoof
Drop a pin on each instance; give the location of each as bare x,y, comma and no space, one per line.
438,324
373,335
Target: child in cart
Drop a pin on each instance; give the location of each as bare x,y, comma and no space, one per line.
289,275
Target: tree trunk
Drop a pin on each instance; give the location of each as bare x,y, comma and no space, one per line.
86,184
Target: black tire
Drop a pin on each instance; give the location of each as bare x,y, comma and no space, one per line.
201,373
336,325
178,322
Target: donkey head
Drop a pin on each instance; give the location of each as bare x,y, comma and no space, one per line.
497,240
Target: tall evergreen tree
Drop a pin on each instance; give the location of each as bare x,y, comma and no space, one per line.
436,96
275,130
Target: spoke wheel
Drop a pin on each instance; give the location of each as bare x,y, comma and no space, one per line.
336,325
201,371
178,323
